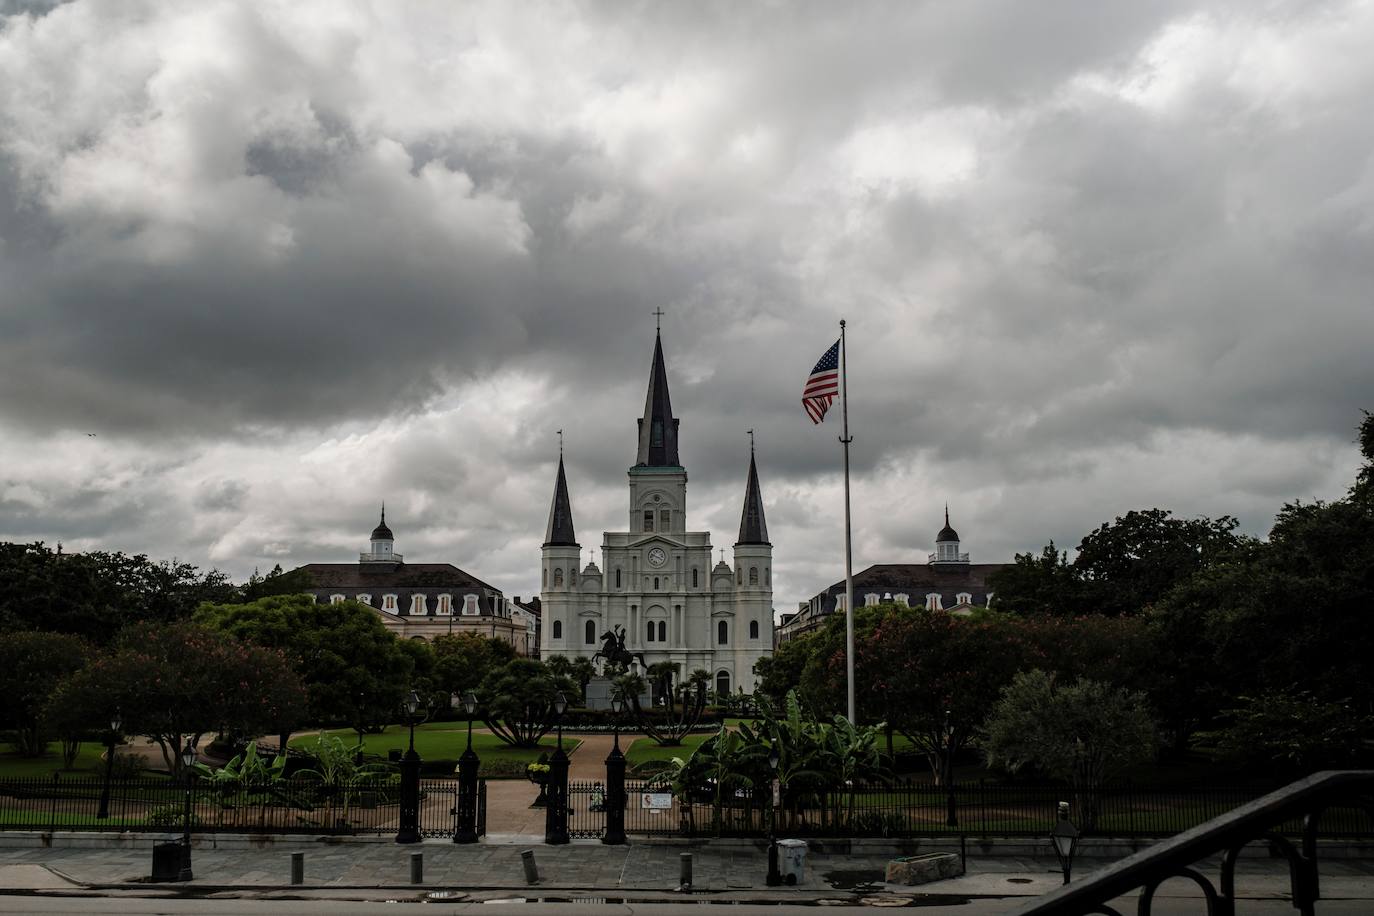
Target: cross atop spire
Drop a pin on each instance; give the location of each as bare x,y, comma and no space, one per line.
658,428
560,445
658,320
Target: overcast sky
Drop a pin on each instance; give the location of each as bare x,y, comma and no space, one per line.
288,260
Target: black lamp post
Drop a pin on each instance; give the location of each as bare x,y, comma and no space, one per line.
615,779
774,876
466,831
110,742
556,814
1064,836
188,759
409,829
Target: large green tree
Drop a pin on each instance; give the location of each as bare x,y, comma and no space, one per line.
176,682
1084,732
1121,568
95,594
353,668
32,664
517,702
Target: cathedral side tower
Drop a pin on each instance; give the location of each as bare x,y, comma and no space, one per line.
751,635
561,557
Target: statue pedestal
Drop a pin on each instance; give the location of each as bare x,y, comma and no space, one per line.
599,694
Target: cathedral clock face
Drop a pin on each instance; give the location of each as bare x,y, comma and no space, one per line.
657,557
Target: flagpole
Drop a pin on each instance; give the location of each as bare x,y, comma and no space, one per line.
848,544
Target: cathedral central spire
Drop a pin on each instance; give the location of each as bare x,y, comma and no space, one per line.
658,428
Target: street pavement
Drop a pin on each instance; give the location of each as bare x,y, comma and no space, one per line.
632,876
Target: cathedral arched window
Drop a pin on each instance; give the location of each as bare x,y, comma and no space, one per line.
753,575
649,636
722,633
648,519
557,577
767,578
694,576
617,577
663,631
665,519
546,578
753,629
739,576
589,636
558,629
655,582
572,576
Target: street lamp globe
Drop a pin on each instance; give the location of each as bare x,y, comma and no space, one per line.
188,755
470,702
115,721
560,703
774,758
412,703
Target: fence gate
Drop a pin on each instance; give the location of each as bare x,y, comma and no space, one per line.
438,808
586,810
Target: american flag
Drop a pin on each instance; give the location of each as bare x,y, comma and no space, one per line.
823,385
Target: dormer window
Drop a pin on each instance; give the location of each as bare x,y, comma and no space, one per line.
902,598
933,602
470,608
417,606
445,605
389,603
871,599
365,599
336,599
964,598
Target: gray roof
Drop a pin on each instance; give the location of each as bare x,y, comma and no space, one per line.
560,531
752,527
657,428
411,576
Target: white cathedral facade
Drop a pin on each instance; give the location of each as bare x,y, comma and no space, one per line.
659,584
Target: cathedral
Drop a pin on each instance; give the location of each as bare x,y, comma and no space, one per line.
659,586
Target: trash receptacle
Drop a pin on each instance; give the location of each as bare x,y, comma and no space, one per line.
167,861
792,860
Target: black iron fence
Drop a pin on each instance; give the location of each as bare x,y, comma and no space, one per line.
285,806
902,810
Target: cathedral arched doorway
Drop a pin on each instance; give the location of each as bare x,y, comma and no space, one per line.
723,682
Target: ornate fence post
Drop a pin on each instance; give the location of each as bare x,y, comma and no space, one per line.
615,799
409,830
467,798
556,813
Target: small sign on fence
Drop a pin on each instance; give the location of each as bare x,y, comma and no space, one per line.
656,801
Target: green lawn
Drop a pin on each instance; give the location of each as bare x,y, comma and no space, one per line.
646,749
88,762
440,744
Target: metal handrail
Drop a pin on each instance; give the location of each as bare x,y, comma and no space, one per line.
1227,834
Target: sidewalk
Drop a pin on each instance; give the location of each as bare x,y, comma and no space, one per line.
496,870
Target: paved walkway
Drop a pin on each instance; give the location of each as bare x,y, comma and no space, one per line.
723,869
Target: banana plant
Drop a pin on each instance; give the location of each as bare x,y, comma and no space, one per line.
247,779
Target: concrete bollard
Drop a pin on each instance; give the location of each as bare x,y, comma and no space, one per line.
417,868
297,868
684,871
531,868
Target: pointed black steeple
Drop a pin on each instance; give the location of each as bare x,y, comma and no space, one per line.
752,527
560,533
657,428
